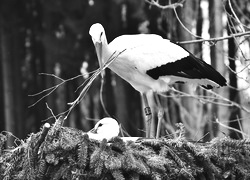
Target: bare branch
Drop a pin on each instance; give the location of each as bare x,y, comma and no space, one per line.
209,99
179,20
239,10
230,128
51,89
235,16
50,111
232,27
229,101
92,78
200,39
170,6
215,40
52,75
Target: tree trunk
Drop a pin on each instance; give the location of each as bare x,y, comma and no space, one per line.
12,51
51,51
37,84
8,86
217,61
192,117
233,93
2,107
234,96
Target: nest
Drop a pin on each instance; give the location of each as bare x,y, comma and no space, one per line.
59,152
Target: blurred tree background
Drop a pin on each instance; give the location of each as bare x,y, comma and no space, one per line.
39,39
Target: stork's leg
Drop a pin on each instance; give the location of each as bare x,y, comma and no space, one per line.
160,116
148,114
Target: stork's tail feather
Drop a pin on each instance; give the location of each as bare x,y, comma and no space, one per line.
210,73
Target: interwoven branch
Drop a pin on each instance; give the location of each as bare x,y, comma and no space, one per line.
68,153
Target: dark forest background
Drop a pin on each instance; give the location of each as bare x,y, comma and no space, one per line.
42,41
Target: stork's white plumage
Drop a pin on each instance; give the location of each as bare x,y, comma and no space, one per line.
149,62
105,128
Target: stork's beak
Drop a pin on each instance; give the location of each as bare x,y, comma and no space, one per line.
98,48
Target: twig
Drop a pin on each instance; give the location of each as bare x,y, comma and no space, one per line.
170,6
237,19
186,117
93,72
232,27
231,128
231,102
236,73
42,136
10,134
92,78
240,125
203,99
44,133
51,89
214,40
241,12
177,17
202,137
209,99
50,111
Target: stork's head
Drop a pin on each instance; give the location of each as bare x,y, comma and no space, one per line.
97,33
106,128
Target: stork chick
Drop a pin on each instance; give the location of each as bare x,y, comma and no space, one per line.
105,128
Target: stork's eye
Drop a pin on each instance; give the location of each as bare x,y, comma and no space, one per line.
100,125
101,35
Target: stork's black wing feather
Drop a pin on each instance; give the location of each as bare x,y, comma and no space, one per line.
188,67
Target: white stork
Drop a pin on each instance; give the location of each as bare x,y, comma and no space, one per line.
105,128
149,62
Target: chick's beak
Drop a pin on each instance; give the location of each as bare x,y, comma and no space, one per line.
94,131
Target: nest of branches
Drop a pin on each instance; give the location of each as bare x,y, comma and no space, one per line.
59,152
